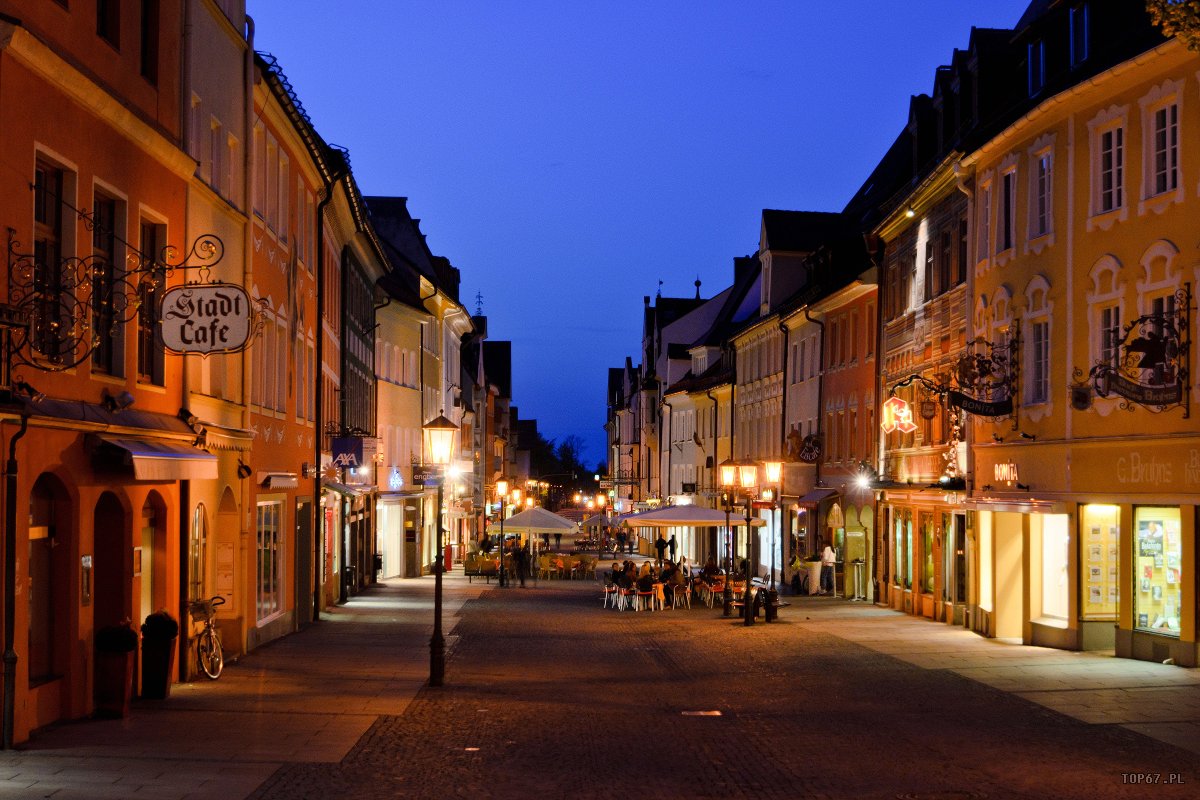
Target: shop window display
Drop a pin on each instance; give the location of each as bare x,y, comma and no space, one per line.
927,556
1055,547
1099,541
1157,578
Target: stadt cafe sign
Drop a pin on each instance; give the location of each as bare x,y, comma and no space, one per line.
208,318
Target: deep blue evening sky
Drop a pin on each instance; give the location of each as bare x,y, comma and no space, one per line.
566,155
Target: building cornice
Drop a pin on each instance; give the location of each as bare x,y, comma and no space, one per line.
927,193
33,53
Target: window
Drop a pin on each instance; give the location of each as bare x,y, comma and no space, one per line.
1008,200
1110,336
928,270
149,48
1079,34
149,347
803,352
985,216
270,579
1056,546
870,337
1099,542
197,554
216,150
1040,200
1164,166
1037,67
960,275
48,273
104,259
1112,169
108,21
1039,361
1157,575
946,262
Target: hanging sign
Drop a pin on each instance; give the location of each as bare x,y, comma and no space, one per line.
980,408
213,318
896,415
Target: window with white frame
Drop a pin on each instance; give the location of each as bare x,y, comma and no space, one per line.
1040,186
985,216
1005,229
1037,343
1104,301
1160,133
1107,139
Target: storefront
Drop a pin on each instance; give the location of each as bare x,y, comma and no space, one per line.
1112,567
924,552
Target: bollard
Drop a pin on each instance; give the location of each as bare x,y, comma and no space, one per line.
772,600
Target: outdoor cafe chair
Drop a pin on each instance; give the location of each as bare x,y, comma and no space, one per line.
611,595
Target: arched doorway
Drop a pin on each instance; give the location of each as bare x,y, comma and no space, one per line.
50,558
113,588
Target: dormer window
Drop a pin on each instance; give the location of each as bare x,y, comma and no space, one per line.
1079,34
1037,67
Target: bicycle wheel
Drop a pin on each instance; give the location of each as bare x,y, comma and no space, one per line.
208,649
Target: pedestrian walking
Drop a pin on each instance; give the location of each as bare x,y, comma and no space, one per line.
558,541
671,546
828,560
660,545
621,541
521,557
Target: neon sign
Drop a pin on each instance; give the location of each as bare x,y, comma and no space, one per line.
897,415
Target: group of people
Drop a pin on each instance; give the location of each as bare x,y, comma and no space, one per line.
672,576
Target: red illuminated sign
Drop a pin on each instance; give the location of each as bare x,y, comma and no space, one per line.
897,416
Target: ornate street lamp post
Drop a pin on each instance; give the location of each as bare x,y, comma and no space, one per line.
728,476
502,495
439,445
748,478
773,472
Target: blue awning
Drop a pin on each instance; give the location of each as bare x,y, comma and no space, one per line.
156,460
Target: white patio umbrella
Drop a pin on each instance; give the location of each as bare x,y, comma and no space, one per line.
595,521
688,517
536,521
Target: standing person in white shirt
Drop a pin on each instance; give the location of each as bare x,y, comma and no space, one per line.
828,559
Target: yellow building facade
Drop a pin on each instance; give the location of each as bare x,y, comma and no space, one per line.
1085,500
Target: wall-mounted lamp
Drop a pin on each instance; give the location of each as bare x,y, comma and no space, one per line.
30,392
997,437
117,402
1030,436
243,470
1024,487
909,212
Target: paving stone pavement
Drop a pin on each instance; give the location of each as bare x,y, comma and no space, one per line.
547,694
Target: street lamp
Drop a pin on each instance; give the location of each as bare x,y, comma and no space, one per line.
748,477
773,472
439,444
729,477
501,494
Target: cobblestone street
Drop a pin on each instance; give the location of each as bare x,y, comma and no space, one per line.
549,695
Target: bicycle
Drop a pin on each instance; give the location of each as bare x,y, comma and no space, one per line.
209,655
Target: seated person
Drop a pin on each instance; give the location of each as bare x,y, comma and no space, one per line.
711,570
645,583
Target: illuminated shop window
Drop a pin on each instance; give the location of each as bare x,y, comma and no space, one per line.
1099,538
1055,548
1156,573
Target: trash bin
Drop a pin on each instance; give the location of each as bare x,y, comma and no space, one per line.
448,557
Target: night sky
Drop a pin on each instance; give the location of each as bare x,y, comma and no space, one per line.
567,156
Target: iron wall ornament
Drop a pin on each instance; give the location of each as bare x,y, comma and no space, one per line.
986,377
72,304
1151,364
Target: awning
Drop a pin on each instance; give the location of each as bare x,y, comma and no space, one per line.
154,460
277,480
816,496
341,488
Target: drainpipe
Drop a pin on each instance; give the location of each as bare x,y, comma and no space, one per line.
319,396
783,427
716,436
820,384
10,581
